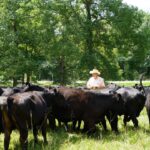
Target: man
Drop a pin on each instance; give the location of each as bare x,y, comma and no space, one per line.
95,82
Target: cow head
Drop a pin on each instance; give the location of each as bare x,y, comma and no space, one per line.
1,91
53,96
118,105
31,87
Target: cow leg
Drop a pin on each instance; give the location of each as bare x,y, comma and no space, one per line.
113,120
52,122
79,124
114,124
148,114
91,127
7,138
7,124
125,119
1,123
24,138
35,132
44,133
85,129
66,126
29,122
135,121
59,123
74,125
103,121
22,125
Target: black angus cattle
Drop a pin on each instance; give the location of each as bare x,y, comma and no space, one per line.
1,91
1,126
87,106
110,88
1,123
32,87
12,90
7,92
18,114
146,91
147,105
101,105
134,102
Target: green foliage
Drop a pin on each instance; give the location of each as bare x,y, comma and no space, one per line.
64,40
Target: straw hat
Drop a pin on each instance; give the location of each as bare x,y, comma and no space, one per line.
95,71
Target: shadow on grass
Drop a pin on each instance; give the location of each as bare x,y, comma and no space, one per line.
56,139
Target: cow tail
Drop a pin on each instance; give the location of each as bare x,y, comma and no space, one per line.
141,78
32,102
9,105
148,114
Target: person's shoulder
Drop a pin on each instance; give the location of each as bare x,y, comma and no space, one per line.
100,78
91,78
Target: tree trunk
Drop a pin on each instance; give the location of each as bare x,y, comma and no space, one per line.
62,70
14,82
28,78
89,35
22,79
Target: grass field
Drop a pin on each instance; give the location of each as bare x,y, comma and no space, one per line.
48,83
128,138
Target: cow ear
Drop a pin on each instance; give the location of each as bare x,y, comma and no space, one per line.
118,96
55,90
28,84
112,92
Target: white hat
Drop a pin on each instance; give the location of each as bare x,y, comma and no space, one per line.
95,71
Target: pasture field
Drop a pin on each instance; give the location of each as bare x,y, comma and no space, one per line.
83,83
128,138
80,83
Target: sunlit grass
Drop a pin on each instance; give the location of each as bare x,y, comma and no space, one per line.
128,138
48,83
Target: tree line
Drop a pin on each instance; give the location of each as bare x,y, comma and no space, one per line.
62,40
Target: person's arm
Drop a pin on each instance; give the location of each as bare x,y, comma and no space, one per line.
88,85
102,84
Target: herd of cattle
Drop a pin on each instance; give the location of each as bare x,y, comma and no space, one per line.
30,107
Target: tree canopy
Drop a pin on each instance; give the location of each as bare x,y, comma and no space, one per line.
62,40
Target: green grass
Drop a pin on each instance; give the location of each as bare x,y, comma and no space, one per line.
128,138
83,83
48,83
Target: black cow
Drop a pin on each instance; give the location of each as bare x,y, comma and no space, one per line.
147,105
7,92
32,87
134,102
18,114
87,106
12,90
1,126
1,91
98,106
146,91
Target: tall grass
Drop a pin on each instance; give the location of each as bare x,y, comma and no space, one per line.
128,138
